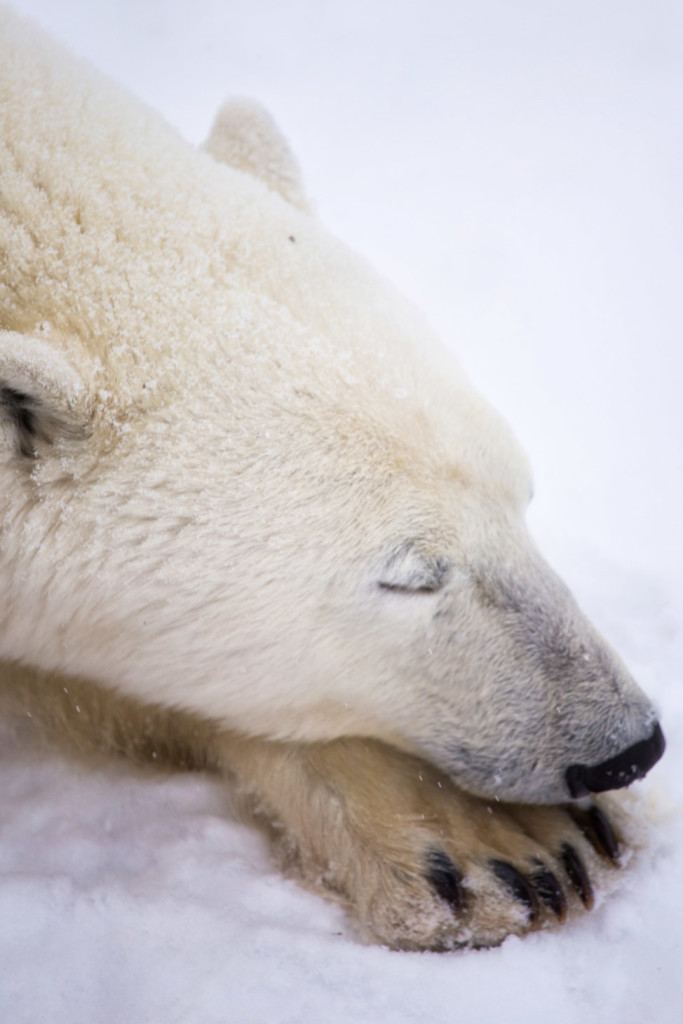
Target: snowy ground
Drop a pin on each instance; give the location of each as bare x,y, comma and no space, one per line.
516,169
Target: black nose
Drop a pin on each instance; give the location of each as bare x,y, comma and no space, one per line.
632,763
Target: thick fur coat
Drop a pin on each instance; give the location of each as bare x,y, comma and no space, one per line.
242,482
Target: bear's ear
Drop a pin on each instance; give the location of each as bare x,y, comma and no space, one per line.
42,396
245,137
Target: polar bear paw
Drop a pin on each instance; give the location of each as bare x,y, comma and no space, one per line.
418,863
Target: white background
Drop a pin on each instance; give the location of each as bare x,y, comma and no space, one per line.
516,167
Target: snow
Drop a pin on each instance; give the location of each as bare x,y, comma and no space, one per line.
516,169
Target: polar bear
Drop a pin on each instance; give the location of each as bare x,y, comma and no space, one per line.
250,509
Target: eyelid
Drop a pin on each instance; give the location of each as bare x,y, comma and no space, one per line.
399,588
409,571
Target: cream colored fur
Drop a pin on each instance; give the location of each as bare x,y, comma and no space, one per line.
244,136
241,481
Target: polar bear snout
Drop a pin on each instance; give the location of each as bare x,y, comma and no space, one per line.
562,716
619,771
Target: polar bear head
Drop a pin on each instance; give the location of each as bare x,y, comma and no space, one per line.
239,477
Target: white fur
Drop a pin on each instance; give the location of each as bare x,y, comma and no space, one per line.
281,506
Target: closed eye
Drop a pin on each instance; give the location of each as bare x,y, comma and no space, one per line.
409,588
408,570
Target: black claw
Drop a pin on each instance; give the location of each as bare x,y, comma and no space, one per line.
596,828
577,874
518,885
549,891
445,879
604,834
